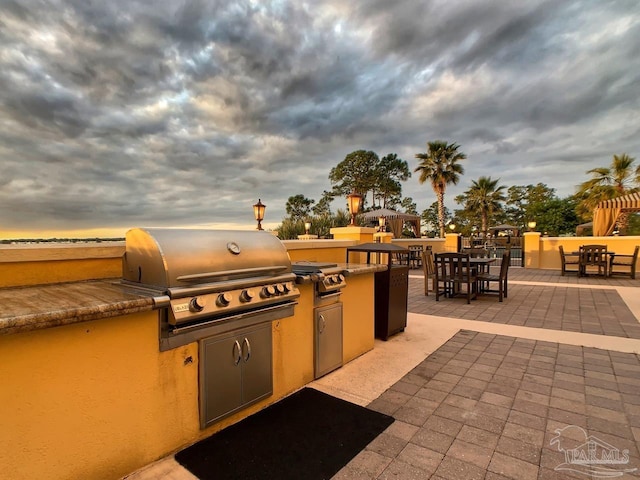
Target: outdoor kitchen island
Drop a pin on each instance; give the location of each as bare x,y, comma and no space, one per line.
88,393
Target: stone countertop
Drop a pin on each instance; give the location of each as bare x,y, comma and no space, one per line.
44,306
347,269
361,268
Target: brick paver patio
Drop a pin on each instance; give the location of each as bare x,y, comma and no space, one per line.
587,310
487,407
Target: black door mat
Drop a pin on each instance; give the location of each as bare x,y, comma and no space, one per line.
307,435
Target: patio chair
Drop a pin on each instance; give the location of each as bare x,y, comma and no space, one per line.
455,275
593,256
627,262
485,279
429,271
568,259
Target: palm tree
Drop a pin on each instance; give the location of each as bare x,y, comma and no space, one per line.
484,197
440,166
620,178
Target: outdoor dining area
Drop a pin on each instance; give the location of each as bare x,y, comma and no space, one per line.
466,273
598,260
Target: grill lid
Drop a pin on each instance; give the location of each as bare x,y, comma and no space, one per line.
167,258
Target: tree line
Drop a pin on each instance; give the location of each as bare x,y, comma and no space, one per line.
485,203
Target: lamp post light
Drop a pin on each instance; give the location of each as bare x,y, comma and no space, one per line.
452,227
531,225
381,224
307,227
354,199
258,212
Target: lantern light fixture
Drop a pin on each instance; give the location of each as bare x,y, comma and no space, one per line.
258,212
531,225
307,227
353,201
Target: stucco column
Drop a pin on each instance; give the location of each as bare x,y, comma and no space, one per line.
383,237
451,242
531,250
353,232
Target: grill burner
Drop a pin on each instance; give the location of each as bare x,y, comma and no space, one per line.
327,276
210,278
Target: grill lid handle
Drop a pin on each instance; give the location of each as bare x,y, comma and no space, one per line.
228,273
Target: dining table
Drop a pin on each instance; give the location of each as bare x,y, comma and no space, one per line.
478,265
482,264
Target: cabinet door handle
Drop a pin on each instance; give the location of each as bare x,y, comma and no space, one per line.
237,353
322,325
248,349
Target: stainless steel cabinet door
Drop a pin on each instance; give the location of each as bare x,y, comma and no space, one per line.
235,371
328,339
257,373
220,378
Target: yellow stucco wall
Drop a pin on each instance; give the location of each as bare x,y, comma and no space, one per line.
98,400
438,245
93,400
44,272
543,252
358,316
43,263
293,347
317,251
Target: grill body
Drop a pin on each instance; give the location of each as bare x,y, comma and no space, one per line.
211,281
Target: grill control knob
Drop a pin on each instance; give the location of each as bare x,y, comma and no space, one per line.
332,279
340,278
287,287
280,288
197,304
247,295
268,291
224,299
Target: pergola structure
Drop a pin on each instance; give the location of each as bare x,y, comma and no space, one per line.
395,220
607,212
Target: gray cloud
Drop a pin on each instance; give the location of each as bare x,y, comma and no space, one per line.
119,114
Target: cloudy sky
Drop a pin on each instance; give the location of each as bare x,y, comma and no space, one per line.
115,114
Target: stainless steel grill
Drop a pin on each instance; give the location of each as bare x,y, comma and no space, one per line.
211,281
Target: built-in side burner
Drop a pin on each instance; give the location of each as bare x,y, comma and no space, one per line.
328,281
